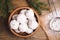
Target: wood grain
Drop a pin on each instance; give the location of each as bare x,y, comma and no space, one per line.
51,35
5,33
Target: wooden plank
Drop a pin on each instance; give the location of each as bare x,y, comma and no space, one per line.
7,35
44,19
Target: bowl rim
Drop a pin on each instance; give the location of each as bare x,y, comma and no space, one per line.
16,11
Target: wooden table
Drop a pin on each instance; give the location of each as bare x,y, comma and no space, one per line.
55,4
5,33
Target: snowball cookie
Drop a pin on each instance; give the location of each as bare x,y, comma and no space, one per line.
23,11
29,31
17,31
29,14
14,24
21,18
33,24
14,17
23,27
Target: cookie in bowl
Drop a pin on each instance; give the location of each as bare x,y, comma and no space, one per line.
23,22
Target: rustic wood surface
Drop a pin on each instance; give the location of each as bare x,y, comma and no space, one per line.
5,33
51,35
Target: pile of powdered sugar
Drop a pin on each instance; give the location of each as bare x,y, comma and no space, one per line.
54,20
